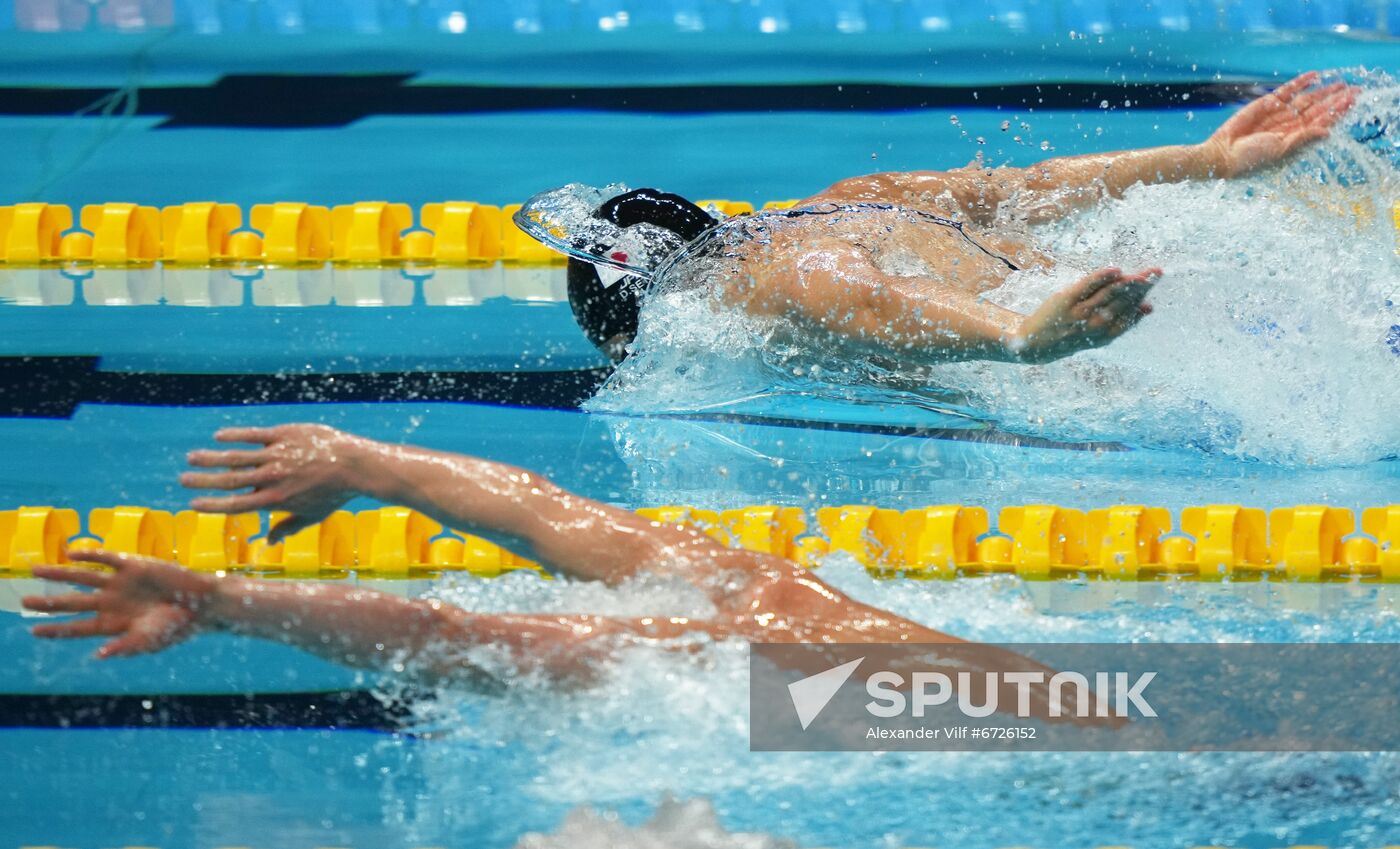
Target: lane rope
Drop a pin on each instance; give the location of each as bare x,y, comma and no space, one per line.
1034,542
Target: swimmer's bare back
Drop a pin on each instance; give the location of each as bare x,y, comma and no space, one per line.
835,284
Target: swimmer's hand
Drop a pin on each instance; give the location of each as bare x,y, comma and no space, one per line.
305,469
1089,314
144,604
1276,125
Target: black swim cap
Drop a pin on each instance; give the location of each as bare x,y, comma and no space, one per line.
606,312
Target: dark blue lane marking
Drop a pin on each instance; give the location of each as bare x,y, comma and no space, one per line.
340,710
303,100
53,387
984,434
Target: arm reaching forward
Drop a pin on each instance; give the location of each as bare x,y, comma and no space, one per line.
146,605
311,470
1266,131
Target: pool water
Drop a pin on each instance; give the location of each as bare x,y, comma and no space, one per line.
1251,413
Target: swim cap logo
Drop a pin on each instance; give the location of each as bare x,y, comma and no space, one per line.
811,695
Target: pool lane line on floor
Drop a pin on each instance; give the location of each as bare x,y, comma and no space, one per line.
983,433
338,100
337,710
53,387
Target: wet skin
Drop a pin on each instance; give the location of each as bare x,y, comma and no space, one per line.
835,281
145,605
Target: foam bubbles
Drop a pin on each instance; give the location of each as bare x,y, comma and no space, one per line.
691,824
675,724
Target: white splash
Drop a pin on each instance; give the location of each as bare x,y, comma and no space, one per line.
690,824
677,721
1274,336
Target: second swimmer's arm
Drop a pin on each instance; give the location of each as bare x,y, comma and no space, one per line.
145,605
311,470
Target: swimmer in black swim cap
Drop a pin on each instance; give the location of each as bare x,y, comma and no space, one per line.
616,240
607,311
895,266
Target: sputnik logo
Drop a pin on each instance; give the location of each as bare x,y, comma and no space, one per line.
811,695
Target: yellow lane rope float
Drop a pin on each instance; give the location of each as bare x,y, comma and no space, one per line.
1036,542
286,234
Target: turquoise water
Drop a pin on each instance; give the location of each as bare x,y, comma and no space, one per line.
482,771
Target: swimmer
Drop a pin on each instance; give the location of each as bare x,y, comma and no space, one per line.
144,605
895,265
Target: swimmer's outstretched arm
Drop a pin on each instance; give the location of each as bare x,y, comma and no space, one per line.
146,605
1266,131
311,470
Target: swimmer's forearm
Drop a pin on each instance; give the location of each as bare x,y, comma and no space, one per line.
517,509
1115,173
480,497
957,326
344,624
372,630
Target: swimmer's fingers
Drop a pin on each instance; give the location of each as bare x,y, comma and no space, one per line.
246,503
144,635
1129,296
1128,320
239,479
1120,311
1325,106
233,459
70,575
66,603
1123,295
1330,110
118,561
1089,286
259,435
1308,101
1295,86
95,626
